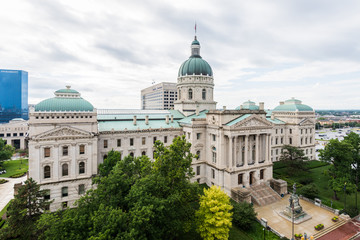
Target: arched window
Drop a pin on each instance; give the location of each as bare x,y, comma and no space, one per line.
143,153
204,94
81,167
198,154
190,94
214,154
65,169
47,173
132,154
105,156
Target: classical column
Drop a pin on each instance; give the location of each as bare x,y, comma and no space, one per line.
230,160
235,151
73,160
246,150
257,148
56,166
266,147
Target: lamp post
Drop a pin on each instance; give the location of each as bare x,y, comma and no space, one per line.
345,196
292,218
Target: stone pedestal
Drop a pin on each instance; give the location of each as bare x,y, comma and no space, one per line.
240,194
279,186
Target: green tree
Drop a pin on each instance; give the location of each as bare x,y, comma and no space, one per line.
244,215
294,159
152,200
109,162
340,156
6,151
29,203
214,214
354,139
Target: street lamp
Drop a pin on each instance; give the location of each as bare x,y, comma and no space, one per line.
292,218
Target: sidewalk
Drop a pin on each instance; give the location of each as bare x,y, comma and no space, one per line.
7,190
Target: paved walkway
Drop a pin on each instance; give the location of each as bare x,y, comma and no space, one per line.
7,190
270,213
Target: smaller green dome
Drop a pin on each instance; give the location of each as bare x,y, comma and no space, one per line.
195,65
293,105
195,42
65,100
249,105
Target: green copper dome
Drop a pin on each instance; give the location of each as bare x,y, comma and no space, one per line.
195,65
65,100
293,105
249,105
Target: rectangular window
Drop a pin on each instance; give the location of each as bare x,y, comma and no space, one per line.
281,140
15,135
81,189
21,134
262,174
198,170
165,139
65,150
8,134
119,142
290,131
281,130
64,191
275,131
82,149
198,136
213,173
240,179
143,140
47,194
131,142
213,137
189,135
154,139
301,131
105,143
1,135
64,205
47,152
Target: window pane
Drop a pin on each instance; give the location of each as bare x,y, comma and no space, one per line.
64,191
82,149
65,151
65,170
81,167
47,172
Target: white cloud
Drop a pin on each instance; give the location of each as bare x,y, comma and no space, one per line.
260,50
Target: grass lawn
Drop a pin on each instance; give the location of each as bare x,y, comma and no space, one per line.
4,209
256,233
316,173
15,166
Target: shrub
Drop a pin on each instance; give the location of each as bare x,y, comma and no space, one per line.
244,215
2,222
298,235
309,191
335,218
319,226
17,175
306,180
351,211
3,181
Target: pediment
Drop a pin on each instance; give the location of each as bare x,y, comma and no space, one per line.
306,121
63,132
252,121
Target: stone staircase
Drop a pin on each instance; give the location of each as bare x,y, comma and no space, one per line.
325,231
263,194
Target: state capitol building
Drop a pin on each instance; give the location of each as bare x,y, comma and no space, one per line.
235,148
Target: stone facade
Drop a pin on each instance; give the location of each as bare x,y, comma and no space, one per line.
15,132
235,149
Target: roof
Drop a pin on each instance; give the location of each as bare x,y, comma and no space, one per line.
104,126
195,65
275,120
188,119
236,120
123,119
293,105
195,42
68,90
62,104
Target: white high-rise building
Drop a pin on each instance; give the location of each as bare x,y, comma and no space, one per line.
160,96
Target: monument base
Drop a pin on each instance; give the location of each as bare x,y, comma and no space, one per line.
297,219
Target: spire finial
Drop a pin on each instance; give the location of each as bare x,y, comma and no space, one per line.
195,29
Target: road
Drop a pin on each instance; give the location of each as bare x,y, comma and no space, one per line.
7,190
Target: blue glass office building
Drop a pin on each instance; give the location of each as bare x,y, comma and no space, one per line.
13,95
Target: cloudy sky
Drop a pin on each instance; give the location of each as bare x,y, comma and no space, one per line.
265,51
